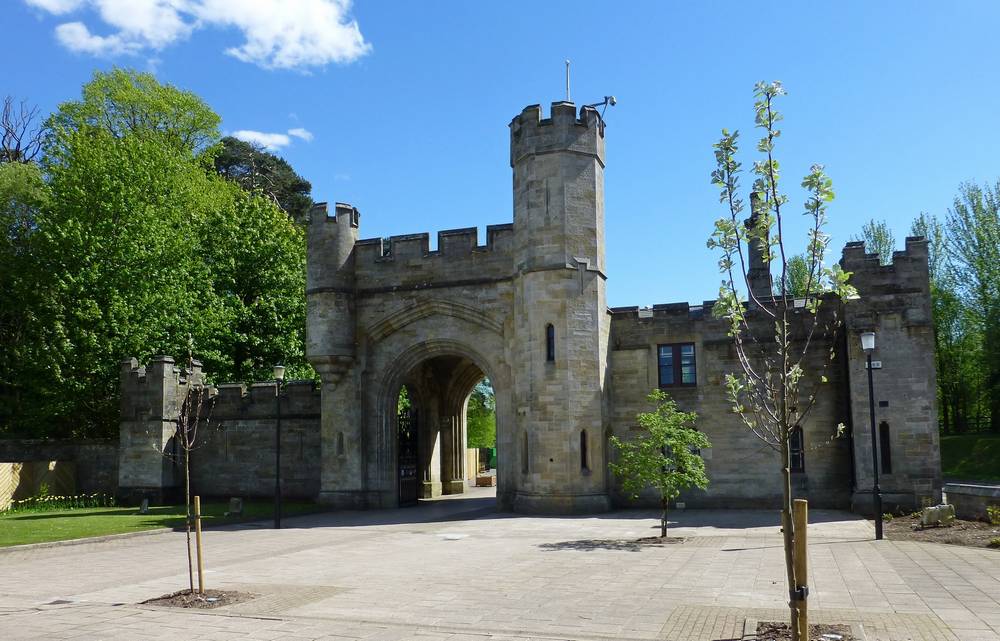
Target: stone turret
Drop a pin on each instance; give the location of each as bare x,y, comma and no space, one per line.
561,322
330,285
331,336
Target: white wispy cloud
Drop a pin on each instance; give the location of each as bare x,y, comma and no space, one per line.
273,140
57,7
277,34
75,36
268,140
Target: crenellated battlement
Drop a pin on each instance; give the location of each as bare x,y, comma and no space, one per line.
156,391
906,273
901,287
408,260
676,311
855,258
530,134
343,214
242,401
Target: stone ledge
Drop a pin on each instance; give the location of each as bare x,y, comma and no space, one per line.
990,491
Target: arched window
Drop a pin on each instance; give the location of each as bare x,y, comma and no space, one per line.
884,447
550,343
584,454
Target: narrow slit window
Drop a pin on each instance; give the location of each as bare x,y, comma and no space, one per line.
884,447
524,453
550,343
796,450
584,461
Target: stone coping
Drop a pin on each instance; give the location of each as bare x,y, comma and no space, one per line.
992,491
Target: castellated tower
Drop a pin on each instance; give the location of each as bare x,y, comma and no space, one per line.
330,346
560,316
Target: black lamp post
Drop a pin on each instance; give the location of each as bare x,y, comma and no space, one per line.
868,344
279,376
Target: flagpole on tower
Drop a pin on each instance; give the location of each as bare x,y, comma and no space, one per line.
567,81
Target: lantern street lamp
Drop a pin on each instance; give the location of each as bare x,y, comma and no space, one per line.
868,344
279,376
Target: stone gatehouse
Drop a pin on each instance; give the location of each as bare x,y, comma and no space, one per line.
527,309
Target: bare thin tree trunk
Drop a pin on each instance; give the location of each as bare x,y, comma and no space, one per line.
187,509
788,534
663,518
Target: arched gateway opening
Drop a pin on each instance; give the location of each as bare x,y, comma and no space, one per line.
432,427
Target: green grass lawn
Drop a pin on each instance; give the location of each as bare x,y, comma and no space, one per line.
971,457
62,525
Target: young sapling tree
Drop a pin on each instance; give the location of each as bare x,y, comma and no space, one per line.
665,455
776,330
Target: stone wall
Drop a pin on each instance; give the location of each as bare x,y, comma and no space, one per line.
894,302
743,470
96,460
234,454
237,452
971,500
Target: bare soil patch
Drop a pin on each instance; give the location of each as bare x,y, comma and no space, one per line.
977,534
659,540
628,545
774,631
211,599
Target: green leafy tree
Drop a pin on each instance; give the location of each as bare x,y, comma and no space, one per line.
125,103
117,254
481,417
133,243
878,239
973,227
772,392
257,260
23,193
255,169
664,456
957,343
796,278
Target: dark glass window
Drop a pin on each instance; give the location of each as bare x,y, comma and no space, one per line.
584,463
550,343
885,447
796,450
677,365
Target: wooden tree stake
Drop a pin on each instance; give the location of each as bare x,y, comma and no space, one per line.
197,538
800,516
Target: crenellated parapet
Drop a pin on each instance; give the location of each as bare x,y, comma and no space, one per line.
901,287
406,261
256,401
563,130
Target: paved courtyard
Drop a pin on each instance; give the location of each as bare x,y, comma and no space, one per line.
456,570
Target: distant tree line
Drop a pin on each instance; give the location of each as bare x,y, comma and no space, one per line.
964,261
129,225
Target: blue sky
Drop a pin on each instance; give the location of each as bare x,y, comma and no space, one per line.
405,105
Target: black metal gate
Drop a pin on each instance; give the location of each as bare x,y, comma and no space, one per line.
407,444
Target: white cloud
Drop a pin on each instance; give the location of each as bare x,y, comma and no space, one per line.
269,141
273,141
278,34
57,7
287,35
76,37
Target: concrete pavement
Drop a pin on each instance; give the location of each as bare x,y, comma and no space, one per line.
455,569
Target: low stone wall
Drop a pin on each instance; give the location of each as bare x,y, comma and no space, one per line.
96,460
970,500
